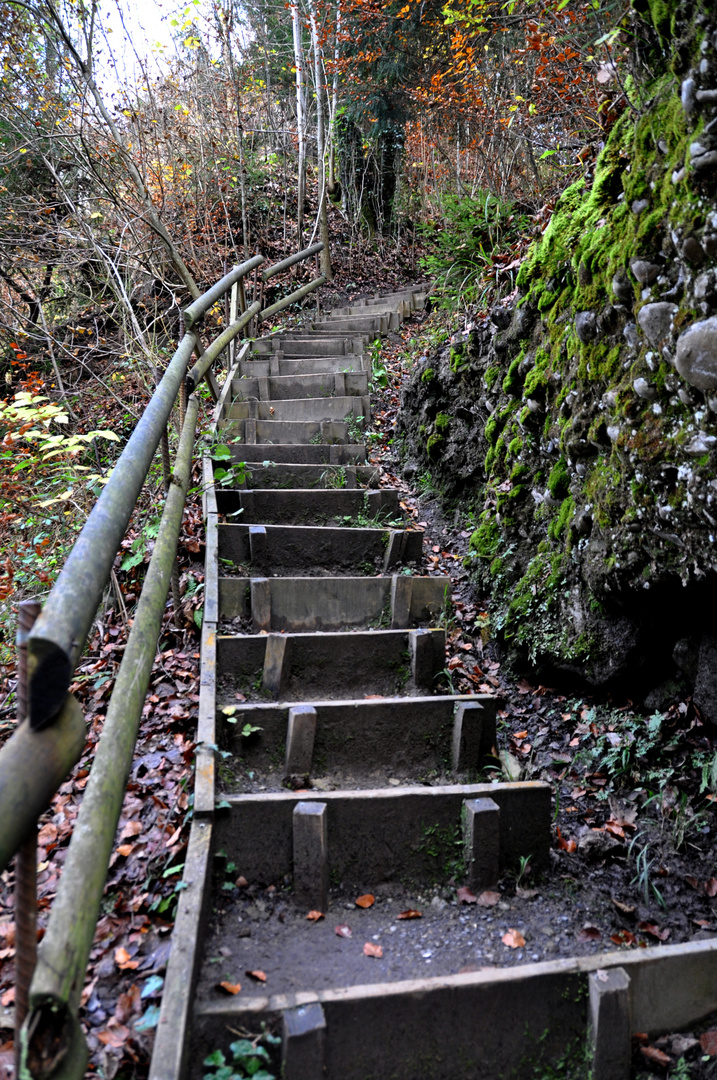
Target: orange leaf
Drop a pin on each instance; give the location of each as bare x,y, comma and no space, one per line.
343,930
623,937
372,950
365,901
655,1055
258,975
488,898
125,849
708,1042
588,933
314,916
513,939
8,997
410,913
567,845
230,988
465,896
654,931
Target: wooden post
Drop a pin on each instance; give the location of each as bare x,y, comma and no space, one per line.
26,858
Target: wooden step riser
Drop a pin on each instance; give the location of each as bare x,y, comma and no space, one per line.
303,605
276,365
308,507
330,666
273,432
301,410
405,735
307,548
338,384
276,475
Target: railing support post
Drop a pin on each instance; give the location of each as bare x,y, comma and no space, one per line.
26,858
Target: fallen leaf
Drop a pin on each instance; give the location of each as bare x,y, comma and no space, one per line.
123,960
258,975
659,1057
410,913
314,916
623,937
653,930
125,849
230,988
465,896
241,882
626,909
8,997
132,828
520,735
615,829
525,894
703,923
365,901
372,950
488,898
47,834
343,930
513,939
566,845
708,1042
588,933
711,886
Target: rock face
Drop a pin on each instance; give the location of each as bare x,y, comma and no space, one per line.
579,422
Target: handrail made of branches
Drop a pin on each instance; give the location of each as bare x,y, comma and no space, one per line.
47,745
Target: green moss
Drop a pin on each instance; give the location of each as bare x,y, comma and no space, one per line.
433,445
559,479
428,375
486,539
442,422
513,380
490,376
559,524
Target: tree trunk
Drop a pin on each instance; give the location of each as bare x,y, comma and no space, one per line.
323,216
300,120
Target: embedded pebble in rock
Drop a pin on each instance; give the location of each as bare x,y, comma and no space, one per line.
623,289
533,405
643,389
656,320
696,356
644,271
639,205
631,335
585,325
692,250
704,285
689,95
701,157
701,443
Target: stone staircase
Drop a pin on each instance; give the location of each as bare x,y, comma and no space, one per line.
332,764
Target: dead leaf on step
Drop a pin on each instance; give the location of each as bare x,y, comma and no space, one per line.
372,950
513,939
566,845
588,933
658,1057
410,913
623,937
465,896
259,976
314,916
526,894
365,901
653,930
708,1042
488,898
343,930
626,909
241,882
229,987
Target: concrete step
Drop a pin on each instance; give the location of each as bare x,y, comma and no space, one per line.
302,549
408,736
380,835
274,364
287,476
337,384
299,453
303,604
314,409
300,506
269,432
322,666
308,344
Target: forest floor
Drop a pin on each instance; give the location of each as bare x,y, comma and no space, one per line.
633,860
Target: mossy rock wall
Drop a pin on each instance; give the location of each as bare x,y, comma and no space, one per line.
579,424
